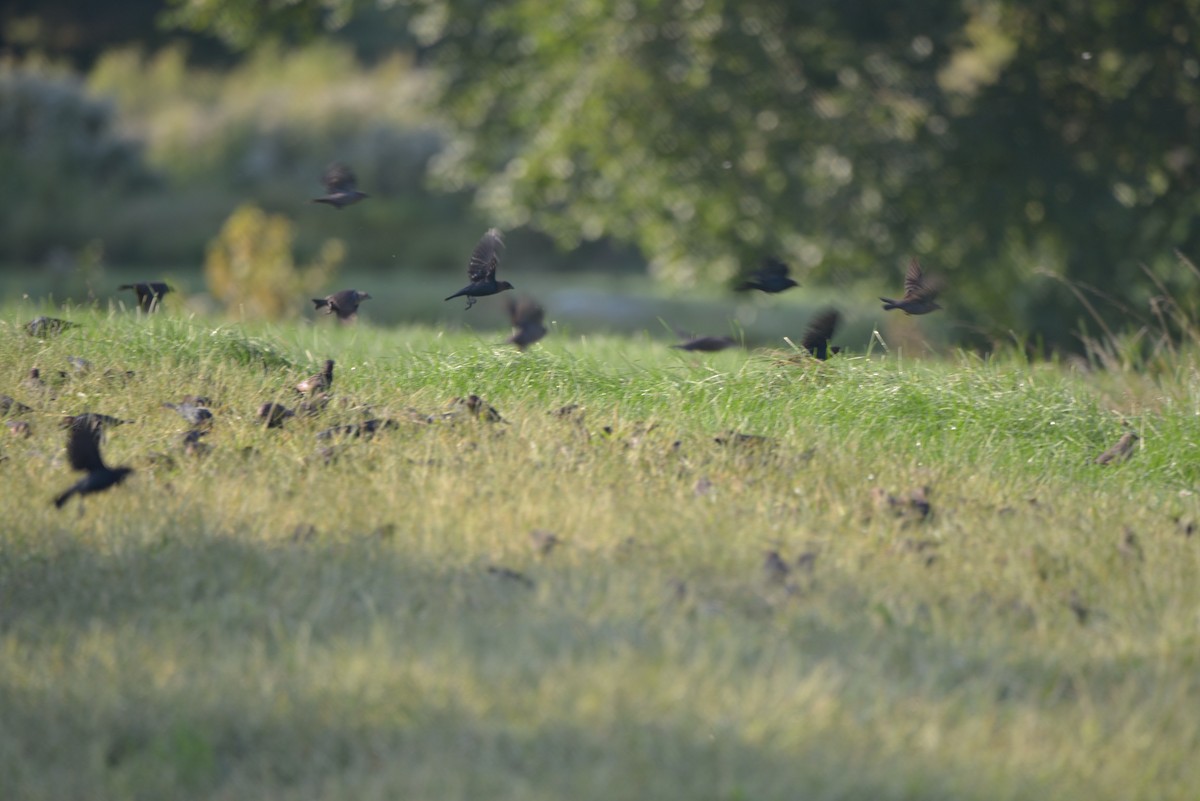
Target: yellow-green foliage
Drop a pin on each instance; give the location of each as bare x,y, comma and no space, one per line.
250,267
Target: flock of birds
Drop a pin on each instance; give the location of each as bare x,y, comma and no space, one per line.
527,316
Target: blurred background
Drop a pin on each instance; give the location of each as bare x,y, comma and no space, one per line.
1040,156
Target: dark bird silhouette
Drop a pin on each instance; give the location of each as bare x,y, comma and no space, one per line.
83,452
344,304
43,326
1119,452
8,405
319,382
194,413
774,568
193,444
772,277
706,344
341,187
149,294
820,331
273,414
919,292
91,421
527,322
481,269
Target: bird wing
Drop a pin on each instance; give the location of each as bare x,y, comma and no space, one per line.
773,267
820,330
916,285
339,178
83,447
485,257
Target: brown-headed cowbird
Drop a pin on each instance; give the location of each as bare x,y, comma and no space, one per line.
706,344
771,277
481,269
341,187
344,304
194,413
527,321
919,292
83,452
273,414
820,331
8,405
149,294
319,382
1119,452
43,326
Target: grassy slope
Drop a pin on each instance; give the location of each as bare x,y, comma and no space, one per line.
189,636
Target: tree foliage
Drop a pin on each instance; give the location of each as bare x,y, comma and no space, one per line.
994,138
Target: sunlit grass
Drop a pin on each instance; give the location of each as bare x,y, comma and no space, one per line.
270,621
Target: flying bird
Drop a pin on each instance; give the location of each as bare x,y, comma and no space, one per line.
919,292
481,270
344,304
772,277
341,187
83,452
819,332
149,294
41,326
706,344
1119,452
316,383
527,322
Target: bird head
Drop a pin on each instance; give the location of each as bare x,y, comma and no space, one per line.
503,285
362,295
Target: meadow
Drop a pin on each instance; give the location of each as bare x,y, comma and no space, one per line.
290,617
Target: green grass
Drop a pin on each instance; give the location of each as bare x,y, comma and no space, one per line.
259,623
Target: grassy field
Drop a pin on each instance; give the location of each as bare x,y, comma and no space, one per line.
374,621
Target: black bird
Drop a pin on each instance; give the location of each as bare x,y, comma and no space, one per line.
527,321
91,421
83,452
149,294
41,326
771,277
194,413
919,292
341,187
9,405
706,344
820,331
273,414
316,383
344,304
481,270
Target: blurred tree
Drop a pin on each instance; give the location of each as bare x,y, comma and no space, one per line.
994,137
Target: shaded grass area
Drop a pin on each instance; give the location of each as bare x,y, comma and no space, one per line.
273,621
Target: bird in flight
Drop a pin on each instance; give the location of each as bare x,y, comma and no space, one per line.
919,292
527,321
820,331
706,344
481,270
83,452
341,187
149,294
772,277
344,304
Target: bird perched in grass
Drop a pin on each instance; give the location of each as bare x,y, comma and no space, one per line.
481,269
344,304
773,276
820,331
706,344
527,322
919,292
273,414
194,413
149,294
83,452
341,187
43,326
1119,452
316,383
